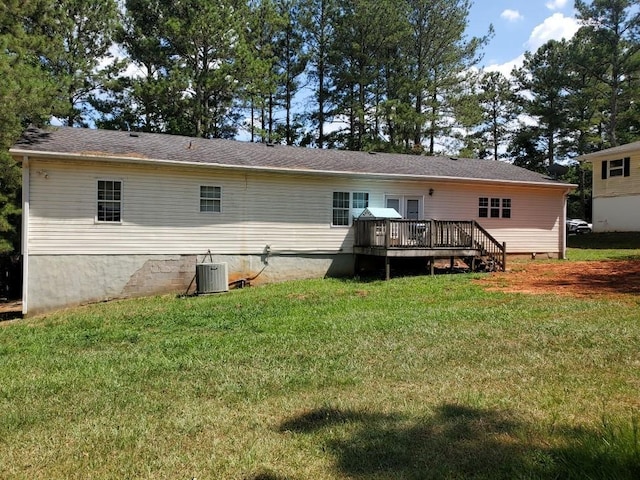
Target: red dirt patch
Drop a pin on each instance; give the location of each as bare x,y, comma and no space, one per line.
580,279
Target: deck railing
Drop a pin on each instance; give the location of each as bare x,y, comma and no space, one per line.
430,234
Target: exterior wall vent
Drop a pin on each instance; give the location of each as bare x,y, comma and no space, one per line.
211,278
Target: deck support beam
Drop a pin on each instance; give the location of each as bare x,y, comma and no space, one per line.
387,268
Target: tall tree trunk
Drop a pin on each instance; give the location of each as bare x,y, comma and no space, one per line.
321,101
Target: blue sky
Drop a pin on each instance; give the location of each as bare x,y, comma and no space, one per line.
519,25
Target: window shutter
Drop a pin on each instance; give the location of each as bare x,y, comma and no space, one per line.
627,166
604,170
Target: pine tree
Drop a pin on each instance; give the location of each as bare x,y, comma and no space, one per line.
318,20
614,25
291,63
367,32
542,81
82,33
28,95
149,96
440,55
497,110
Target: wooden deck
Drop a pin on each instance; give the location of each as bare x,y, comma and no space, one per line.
432,239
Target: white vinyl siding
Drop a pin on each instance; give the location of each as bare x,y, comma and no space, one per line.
616,214
612,179
536,213
287,212
291,213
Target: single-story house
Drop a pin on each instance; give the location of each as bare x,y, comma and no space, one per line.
113,214
616,188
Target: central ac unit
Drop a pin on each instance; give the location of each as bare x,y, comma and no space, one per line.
211,278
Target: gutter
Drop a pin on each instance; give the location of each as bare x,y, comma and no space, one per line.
282,170
563,225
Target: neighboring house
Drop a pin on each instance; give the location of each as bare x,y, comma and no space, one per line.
111,214
616,188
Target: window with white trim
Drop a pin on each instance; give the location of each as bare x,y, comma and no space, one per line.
360,200
494,207
506,208
483,207
615,168
210,199
620,167
109,201
346,205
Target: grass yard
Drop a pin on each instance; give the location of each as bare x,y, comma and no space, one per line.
604,246
415,378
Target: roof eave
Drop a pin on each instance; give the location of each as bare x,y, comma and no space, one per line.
19,154
607,153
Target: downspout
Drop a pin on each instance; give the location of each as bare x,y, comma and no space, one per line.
25,233
563,226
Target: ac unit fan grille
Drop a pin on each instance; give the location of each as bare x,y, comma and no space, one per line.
212,278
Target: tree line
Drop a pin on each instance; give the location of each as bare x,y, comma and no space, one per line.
386,75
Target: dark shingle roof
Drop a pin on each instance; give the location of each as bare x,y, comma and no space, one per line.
69,142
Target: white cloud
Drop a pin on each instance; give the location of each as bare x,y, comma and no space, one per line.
507,67
511,15
555,27
556,4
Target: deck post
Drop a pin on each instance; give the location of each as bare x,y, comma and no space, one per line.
431,265
387,268
432,233
387,233
504,256
473,234
451,261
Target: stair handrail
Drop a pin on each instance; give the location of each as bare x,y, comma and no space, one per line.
499,251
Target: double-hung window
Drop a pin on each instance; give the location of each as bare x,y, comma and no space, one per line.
340,208
620,167
109,201
210,199
346,205
360,200
494,207
483,207
506,208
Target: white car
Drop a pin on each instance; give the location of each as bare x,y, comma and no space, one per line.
575,225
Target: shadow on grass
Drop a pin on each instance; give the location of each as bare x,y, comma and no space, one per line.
266,476
458,442
606,241
614,277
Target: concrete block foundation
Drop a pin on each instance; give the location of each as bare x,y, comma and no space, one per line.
58,281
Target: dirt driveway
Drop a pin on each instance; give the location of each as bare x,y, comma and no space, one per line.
581,279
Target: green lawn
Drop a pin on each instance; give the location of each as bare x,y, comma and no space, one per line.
415,378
